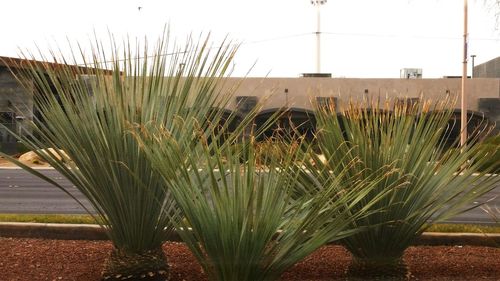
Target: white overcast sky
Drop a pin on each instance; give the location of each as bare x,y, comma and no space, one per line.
362,38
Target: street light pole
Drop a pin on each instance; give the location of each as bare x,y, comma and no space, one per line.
473,57
318,4
463,107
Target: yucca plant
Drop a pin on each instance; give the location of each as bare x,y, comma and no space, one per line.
85,112
242,221
428,185
491,149
493,212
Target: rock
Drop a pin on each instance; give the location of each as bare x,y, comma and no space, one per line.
33,158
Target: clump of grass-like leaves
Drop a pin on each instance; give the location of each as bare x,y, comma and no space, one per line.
429,184
491,149
242,218
87,111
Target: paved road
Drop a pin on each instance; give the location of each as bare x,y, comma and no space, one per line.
21,192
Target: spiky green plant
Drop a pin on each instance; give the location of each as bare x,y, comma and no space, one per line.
493,212
428,185
86,112
491,149
242,221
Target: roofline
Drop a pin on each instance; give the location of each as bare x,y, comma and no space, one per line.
19,63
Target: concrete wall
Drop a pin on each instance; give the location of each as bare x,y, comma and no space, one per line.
489,69
299,92
483,93
13,98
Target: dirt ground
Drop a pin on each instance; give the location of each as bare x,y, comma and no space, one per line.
40,259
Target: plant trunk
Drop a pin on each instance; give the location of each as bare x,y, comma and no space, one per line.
394,269
149,265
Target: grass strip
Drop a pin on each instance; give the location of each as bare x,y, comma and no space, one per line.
48,218
86,219
465,228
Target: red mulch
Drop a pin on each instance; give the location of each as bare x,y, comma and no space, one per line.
40,259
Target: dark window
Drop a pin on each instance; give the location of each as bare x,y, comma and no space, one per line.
7,117
245,104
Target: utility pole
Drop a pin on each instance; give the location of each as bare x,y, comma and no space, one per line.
463,107
318,4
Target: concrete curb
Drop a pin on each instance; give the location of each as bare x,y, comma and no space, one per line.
19,168
449,239
95,232
52,231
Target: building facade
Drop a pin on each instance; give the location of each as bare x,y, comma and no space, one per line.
16,106
489,69
297,96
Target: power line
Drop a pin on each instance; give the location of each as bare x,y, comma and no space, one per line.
278,38
211,48
406,36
